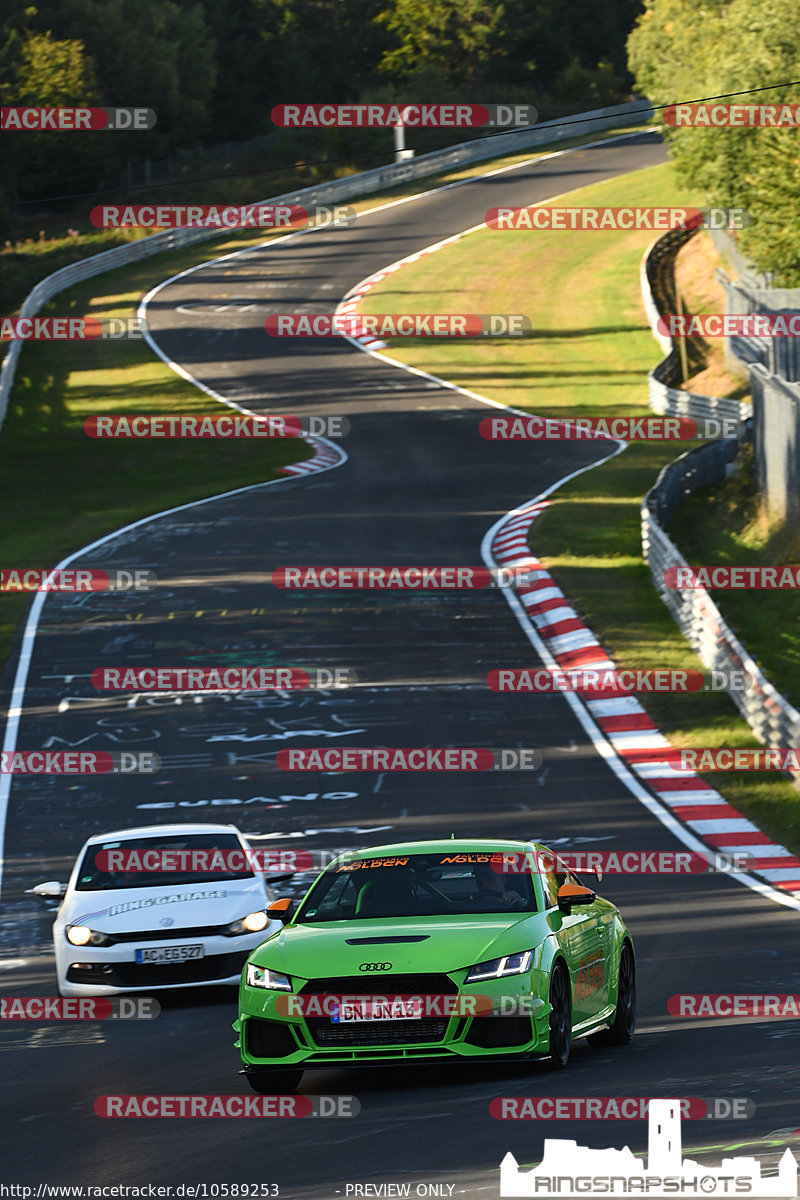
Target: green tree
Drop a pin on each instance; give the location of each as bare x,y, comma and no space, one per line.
680,52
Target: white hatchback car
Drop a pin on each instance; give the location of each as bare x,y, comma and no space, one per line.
123,931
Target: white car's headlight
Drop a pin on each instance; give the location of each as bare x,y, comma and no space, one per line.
254,922
263,977
496,968
82,935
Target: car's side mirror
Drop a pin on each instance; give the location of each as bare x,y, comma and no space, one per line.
280,910
280,878
570,894
52,890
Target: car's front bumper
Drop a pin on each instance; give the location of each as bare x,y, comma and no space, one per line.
269,1039
113,970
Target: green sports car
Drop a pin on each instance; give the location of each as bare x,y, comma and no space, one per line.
434,951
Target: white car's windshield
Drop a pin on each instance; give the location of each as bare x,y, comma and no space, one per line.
189,858
417,885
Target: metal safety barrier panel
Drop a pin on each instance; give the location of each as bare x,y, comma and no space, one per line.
362,184
772,718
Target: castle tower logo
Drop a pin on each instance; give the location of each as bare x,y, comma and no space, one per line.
570,1170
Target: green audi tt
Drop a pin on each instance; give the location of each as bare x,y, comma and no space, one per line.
434,951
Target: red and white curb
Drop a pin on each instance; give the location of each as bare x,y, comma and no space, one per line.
352,301
621,730
625,723
325,455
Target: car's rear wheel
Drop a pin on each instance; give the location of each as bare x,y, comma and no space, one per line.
274,1083
560,1019
622,1028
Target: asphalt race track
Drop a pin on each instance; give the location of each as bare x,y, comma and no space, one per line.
419,487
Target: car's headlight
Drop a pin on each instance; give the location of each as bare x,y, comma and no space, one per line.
496,968
263,977
254,922
82,935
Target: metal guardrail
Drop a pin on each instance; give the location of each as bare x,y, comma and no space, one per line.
659,294
772,718
375,180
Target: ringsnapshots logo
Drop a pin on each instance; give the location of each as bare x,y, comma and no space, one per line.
75,120
569,1170
398,325
414,116
220,216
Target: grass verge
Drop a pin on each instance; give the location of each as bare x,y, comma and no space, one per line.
590,355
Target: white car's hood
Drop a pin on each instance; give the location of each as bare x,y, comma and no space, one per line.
174,906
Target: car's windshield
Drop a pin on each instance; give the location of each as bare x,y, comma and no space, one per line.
417,885
103,868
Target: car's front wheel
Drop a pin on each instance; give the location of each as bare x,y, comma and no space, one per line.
560,1019
274,1083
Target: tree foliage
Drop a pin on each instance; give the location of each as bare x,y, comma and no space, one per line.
681,52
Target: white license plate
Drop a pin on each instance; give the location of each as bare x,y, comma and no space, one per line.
377,1010
169,954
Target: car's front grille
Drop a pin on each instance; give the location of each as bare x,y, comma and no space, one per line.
379,1033
166,935
375,1033
382,984
141,975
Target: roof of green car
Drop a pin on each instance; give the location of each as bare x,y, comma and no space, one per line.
449,846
